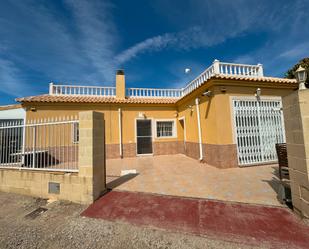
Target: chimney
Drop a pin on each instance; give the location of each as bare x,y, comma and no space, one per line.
120,84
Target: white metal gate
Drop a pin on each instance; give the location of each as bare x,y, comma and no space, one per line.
40,145
258,127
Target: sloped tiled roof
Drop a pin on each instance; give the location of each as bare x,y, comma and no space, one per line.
256,79
46,98
9,107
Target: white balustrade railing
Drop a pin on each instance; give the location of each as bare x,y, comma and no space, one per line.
223,68
82,90
199,80
154,93
226,69
241,69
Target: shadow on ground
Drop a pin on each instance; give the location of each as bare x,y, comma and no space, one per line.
276,186
119,181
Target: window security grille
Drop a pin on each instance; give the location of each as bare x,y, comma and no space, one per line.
258,127
165,128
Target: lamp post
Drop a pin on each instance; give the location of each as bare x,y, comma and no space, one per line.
301,76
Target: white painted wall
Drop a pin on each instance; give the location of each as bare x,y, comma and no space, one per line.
18,113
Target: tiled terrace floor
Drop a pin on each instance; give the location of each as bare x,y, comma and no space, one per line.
178,175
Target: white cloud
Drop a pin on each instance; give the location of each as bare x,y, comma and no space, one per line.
80,44
98,35
44,43
216,21
155,43
205,34
296,52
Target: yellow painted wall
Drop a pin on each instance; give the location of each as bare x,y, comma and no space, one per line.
224,116
120,86
180,130
188,111
51,111
215,112
129,115
207,115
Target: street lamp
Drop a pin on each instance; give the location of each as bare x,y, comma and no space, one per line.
301,76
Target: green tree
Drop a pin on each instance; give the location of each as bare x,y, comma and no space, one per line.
290,74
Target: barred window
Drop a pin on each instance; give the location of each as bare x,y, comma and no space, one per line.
165,128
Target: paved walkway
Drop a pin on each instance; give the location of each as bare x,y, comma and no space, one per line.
179,175
273,227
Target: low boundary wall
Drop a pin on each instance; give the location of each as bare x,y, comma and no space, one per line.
82,187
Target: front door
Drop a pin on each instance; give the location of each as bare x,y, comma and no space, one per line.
143,136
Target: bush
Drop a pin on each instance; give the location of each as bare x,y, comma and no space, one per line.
290,74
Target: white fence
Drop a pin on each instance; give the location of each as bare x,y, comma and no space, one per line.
42,145
154,93
241,70
199,80
82,90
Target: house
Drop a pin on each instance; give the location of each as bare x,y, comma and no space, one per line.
12,112
228,116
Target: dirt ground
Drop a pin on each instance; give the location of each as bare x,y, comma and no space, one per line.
61,226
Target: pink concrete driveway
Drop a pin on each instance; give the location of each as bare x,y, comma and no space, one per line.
178,175
268,227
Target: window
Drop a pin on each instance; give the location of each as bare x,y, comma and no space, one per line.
165,128
75,132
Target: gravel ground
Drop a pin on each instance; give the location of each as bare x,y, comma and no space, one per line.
61,226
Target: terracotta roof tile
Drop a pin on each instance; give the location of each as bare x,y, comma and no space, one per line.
9,107
46,98
261,79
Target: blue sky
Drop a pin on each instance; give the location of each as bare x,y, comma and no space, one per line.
84,42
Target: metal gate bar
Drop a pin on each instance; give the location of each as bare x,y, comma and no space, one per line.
41,145
259,126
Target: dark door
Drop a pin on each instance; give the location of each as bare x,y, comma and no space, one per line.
182,134
144,136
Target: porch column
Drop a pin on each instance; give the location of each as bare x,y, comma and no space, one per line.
296,114
91,157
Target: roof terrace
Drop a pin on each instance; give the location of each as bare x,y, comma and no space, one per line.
217,68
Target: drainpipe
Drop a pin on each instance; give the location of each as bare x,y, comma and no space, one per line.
120,131
197,102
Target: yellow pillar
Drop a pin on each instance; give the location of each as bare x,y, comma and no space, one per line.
91,157
120,85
